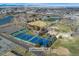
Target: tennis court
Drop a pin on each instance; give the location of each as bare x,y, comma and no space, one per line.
32,39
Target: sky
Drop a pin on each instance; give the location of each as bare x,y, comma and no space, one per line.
42,4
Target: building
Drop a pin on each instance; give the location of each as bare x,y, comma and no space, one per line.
53,30
37,25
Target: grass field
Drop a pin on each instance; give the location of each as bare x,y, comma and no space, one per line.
72,46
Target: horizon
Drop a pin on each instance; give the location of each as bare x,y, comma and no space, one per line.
40,4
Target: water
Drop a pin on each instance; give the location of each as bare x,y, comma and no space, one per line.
5,20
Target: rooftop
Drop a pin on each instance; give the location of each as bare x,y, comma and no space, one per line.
38,23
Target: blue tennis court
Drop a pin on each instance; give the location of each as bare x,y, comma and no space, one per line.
33,39
41,41
24,36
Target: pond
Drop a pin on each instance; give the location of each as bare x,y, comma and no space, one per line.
5,20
